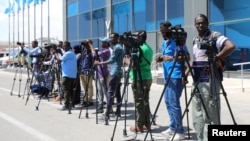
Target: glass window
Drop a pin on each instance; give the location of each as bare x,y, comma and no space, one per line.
224,10
175,11
84,26
98,23
150,12
139,15
238,32
71,0
117,1
72,9
98,4
122,17
84,6
72,43
160,12
72,28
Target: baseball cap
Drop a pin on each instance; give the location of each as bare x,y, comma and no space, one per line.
105,40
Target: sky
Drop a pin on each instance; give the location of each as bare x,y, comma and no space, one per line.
9,25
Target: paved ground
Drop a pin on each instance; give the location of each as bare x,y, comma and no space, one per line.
237,94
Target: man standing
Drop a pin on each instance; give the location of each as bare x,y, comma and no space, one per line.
69,74
173,80
221,46
141,77
102,77
86,75
34,51
116,62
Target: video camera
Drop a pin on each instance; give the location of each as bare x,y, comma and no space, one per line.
177,32
19,43
207,44
129,40
85,45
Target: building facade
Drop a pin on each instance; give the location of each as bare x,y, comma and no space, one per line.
93,19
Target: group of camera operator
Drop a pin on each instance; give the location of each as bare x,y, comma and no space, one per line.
83,63
207,46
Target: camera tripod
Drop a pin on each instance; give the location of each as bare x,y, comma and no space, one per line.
183,57
29,82
57,70
101,88
134,63
215,86
87,77
46,79
18,72
37,69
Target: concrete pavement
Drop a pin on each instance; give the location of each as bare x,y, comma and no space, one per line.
237,98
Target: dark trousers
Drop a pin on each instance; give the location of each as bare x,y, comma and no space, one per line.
68,89
77,91
113,90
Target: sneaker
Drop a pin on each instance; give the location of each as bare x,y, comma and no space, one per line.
64,107
177,137
168,132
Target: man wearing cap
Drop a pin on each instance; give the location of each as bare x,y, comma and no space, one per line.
102,72
116,62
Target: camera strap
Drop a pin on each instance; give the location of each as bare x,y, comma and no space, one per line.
144,56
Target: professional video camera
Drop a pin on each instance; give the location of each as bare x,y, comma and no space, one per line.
207,44
178,33
129,40
85,45
19,43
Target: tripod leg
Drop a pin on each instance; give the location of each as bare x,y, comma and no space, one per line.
14,80
228,105
85,81
20,82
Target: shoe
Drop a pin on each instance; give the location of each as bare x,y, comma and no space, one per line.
168,132
106,119
57,99
145,128
177,137
64,108
136,129
88,104
100,110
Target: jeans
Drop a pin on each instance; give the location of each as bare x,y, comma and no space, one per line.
102,87
113,90
172,96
